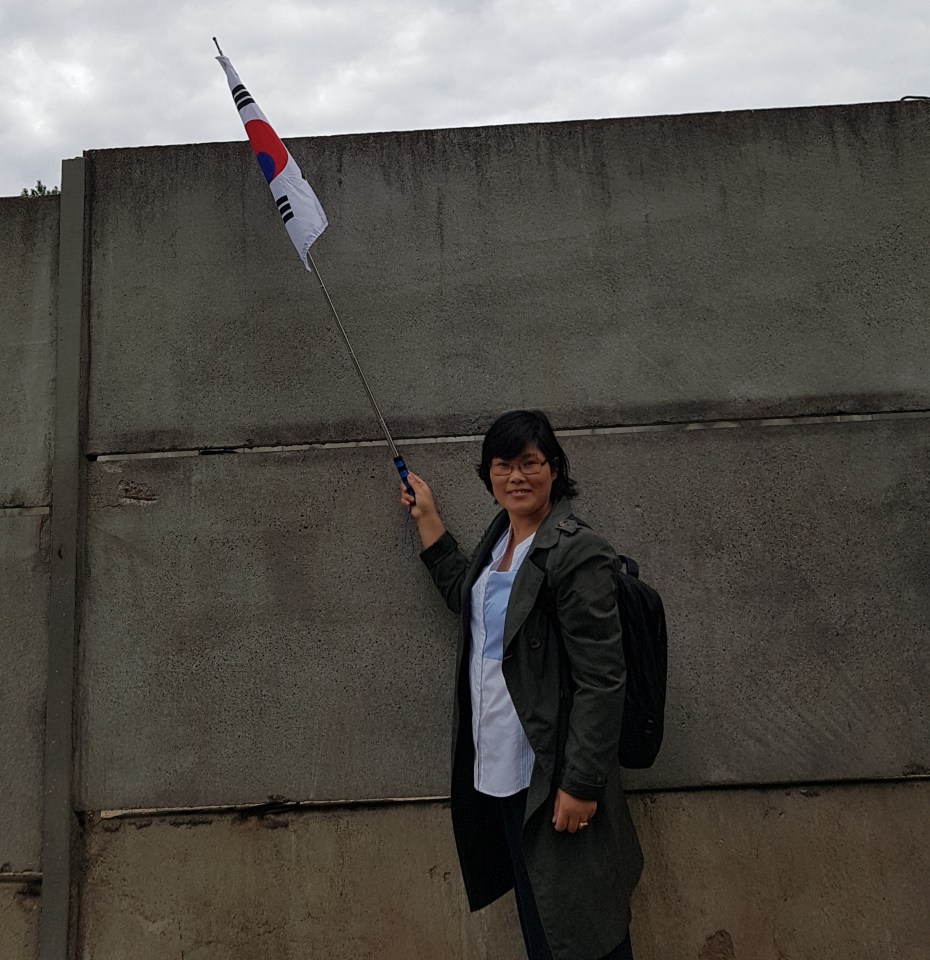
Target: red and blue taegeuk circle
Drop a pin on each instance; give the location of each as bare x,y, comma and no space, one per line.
269,151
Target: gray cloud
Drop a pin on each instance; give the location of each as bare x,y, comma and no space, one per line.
81,75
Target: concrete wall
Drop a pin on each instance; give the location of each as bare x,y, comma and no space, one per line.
762,874
332,873
19,920
306,649
257,624
724,265
23,652
28,304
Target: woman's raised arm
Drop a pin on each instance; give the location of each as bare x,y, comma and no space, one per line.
423,510
444,560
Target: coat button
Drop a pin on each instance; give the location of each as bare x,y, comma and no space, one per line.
535,643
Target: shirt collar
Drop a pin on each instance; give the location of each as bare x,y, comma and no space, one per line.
519,551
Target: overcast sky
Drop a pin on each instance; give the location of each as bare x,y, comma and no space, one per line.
84,74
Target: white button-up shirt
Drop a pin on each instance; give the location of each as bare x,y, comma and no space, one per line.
503,756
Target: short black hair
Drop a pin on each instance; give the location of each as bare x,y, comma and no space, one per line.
509,436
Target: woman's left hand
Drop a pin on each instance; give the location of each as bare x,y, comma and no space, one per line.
570,813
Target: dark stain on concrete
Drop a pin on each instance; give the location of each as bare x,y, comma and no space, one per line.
272,815
135,492
718,946
29,891
188,823
274,823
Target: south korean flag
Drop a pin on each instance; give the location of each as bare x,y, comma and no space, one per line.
300,211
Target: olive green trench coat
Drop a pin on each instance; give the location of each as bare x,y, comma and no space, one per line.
568,695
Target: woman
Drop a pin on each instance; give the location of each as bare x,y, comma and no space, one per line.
537,803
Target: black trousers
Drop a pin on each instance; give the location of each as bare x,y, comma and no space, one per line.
512,811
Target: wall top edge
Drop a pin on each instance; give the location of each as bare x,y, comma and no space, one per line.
14,201
774,113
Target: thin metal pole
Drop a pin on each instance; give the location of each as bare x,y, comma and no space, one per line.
358,368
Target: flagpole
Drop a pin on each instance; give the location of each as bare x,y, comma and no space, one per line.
398,459
301,206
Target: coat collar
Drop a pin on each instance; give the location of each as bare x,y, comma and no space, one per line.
529,577
548,533
546,536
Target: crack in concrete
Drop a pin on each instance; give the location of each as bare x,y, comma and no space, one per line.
279,806
21,876
258,810
747,423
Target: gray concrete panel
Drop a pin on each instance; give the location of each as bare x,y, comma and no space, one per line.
645,269
29,267
836,874
19,921
255,625
794,565
336,884
23,656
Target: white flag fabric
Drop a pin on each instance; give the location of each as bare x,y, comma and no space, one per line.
297,204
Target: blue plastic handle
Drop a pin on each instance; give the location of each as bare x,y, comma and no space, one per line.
403,471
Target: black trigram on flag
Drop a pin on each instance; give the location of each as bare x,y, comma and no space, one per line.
284,208
242,97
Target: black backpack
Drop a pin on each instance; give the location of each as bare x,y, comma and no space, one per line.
645,650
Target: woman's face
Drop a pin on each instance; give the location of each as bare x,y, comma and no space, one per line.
519,493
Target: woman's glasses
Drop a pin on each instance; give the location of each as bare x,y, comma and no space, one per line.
528,467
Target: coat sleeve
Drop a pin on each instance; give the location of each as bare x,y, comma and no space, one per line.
589,622
447,565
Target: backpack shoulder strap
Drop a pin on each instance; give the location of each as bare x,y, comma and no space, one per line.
632,567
